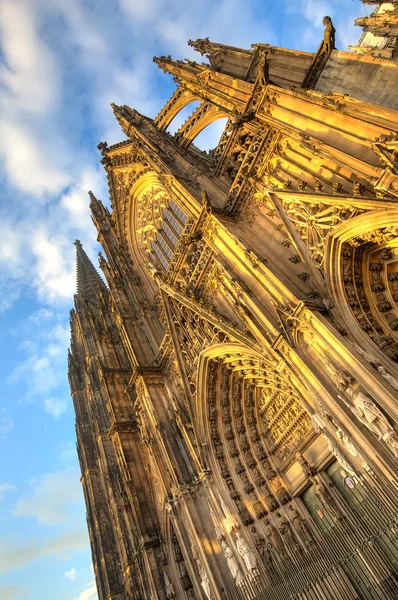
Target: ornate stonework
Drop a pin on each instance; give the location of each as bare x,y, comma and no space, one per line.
235,382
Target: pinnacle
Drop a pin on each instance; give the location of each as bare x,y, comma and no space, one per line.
92,197
89,281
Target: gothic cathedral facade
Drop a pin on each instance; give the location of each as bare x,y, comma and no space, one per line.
235,380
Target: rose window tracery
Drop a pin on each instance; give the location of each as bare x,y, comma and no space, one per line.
160,224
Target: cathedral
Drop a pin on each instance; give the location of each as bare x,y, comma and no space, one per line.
235,373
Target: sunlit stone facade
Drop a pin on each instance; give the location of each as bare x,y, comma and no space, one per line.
235,382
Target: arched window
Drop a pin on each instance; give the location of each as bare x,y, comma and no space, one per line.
161,223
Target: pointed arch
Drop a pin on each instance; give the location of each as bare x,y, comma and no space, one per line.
242,399
206,114
177,102
362,274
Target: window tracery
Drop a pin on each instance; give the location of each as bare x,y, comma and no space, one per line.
160,224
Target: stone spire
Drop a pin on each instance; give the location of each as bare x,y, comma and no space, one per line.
127,117
88,280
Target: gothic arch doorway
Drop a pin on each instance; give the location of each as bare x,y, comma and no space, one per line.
252,422
362,256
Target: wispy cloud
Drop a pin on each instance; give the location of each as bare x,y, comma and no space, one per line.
9,592
89,593
43,347
56,407
6,487
71,574
17,552
54,499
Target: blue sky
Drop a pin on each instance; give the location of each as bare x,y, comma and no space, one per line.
61,64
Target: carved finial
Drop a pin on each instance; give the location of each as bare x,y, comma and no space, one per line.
126,117
206,202
161,61
200,45
103,147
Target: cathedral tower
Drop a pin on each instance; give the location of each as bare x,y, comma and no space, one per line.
235,381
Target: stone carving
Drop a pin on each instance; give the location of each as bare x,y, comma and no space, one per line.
246,553
314,221
329,36
274,539
263,548
307,469
319,427
185,578
325,497
371,416
263,69
300,525
232,563
170,593
334,449
205,581
283,525
388,377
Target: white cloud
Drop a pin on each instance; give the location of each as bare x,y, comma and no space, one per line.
4,488
7,592
67,451
31,163
71,574
55,499
90,593
24,52
45,339
315,10
18,552
55,407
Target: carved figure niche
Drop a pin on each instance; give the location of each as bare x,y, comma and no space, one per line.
370,276
285,422
160,224
256,422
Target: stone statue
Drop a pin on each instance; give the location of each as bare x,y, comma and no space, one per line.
170,593
306,467
325,498
283,525
205,581
232,562
370,358
263,69
274,539
389,378
185,578
345,440
220,534
260,544
329,36
368,413
246,553
335,450
300,525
